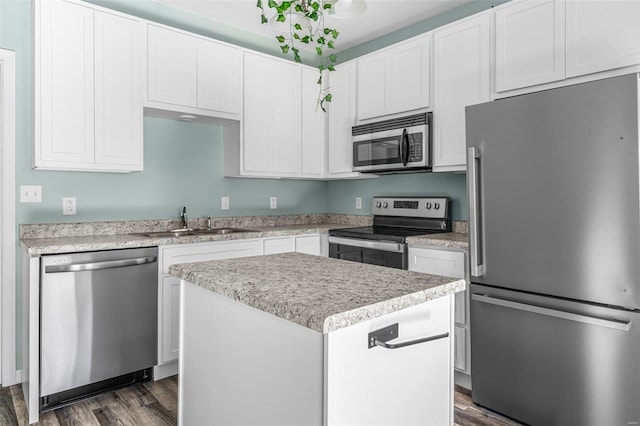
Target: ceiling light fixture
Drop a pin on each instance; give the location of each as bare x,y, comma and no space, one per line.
347,9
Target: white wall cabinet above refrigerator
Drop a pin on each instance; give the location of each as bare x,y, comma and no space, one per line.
461,78
88,88
530,43
545,41
395,80
601,35
191,74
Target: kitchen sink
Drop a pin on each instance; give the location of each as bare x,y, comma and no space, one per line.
187,232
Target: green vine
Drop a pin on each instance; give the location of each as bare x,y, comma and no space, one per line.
313,34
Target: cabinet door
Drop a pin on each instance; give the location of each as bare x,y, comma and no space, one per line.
257,150
64,97
394,80
284,107
219,78
170,337
313,126
602,35
410,76
372,91
172,67
341,118
530,46
408,386
118,92
461,78
272,120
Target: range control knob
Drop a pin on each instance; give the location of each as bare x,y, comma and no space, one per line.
378,204
436,206
385,204
428,206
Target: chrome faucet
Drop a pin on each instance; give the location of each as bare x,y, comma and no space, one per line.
183,218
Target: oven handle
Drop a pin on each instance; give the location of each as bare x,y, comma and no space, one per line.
376,245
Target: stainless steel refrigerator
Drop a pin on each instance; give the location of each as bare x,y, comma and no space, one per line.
554,214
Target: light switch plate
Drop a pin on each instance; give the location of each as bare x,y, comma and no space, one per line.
224,203
273,202
30,194
358,203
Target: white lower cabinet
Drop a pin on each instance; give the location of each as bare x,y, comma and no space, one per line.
169,292
293,375
407,386
448,263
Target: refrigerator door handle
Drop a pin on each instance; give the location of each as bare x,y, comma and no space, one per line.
570,316
475,256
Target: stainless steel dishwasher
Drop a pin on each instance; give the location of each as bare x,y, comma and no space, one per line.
98,322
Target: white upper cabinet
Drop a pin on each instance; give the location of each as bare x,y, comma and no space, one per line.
219,79
530,43
192,74
88,83
172,68
342,116
313,126
461,78
272,117
395,79
602,35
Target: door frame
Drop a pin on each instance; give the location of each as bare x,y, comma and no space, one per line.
8,240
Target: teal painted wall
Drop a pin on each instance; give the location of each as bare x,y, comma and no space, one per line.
182,164
341,194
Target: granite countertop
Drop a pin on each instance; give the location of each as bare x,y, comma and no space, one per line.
319,293
450,240
56,245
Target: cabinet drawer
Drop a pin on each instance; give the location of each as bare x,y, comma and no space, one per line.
437,262
278,245
209,251
309,244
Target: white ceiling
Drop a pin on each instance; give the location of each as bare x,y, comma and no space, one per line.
381,17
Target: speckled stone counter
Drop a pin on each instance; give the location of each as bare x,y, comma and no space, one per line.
43,246
451,240
319,293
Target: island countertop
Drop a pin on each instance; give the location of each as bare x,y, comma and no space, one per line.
319,293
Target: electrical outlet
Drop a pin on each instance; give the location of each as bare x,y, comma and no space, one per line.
358,203
30,194
273,202
68,205
224,203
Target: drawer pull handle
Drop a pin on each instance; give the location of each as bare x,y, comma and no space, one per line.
382,336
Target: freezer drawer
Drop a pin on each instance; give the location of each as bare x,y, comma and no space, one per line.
548,361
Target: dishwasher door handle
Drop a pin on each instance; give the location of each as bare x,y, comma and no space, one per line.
94,266
540,310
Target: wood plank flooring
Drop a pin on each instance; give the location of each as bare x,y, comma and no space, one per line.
155,403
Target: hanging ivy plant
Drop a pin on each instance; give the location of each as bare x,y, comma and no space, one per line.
303,21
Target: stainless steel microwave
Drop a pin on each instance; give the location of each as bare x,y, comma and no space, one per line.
398,145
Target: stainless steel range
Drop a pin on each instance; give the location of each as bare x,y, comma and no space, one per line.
395,219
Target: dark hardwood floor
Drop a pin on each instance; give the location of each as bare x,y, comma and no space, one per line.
155,403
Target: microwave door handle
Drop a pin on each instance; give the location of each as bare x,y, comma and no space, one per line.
404,151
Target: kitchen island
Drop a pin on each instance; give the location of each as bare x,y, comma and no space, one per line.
284,339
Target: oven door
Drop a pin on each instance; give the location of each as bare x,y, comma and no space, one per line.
382,253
